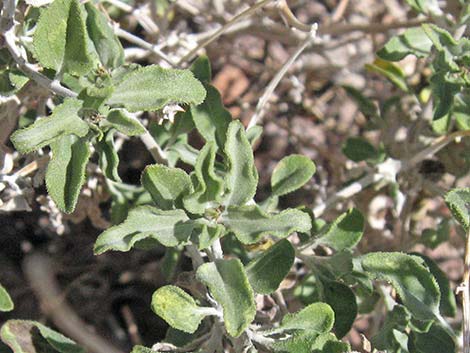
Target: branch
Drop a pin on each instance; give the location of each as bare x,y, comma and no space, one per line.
217,33
40,272
276,79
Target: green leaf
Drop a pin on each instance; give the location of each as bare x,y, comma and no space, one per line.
396,321
458,201
211,118
65,173
412,41
152,87
416,286
345,232
63,121
201,68
267,271
178,308
291,173
60,40
358,149
167,185
461,111
391,71
228,283
170,228
207,235
328,343
109,159
315,318
436,340
6,304
106,43
429,7
32,337
443,92
142,349
250,223
123,122
447,305
365,105
343,302
208,186
78,59
241,179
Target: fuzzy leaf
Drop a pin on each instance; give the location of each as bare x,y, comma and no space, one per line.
228,283
32,337
291,173
458,201
396,321
106,43
345,232
60,40
142,349
123,122
6,304
65,173
267,271
78,59
416,286
208,185
436,340
63,121
343,302
166,185
207,235
250,223
314,318
447,305
201,68
412,41
152,87
358,149
241,179
170,228
211,118
177,308
109,158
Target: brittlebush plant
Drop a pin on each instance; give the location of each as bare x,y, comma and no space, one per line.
240,248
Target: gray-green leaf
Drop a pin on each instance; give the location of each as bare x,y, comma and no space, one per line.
152,87
345,232
32,337
228,283
178,308
416,286
241,179
250,223
65,173
170,228
106,43
315,318
63,121
166,185
291,173
267,271
122,121
412,41
61,41
208,185
6,304
458,201
211,118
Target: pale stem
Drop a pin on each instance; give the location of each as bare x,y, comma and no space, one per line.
143,44
280,74
217,33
